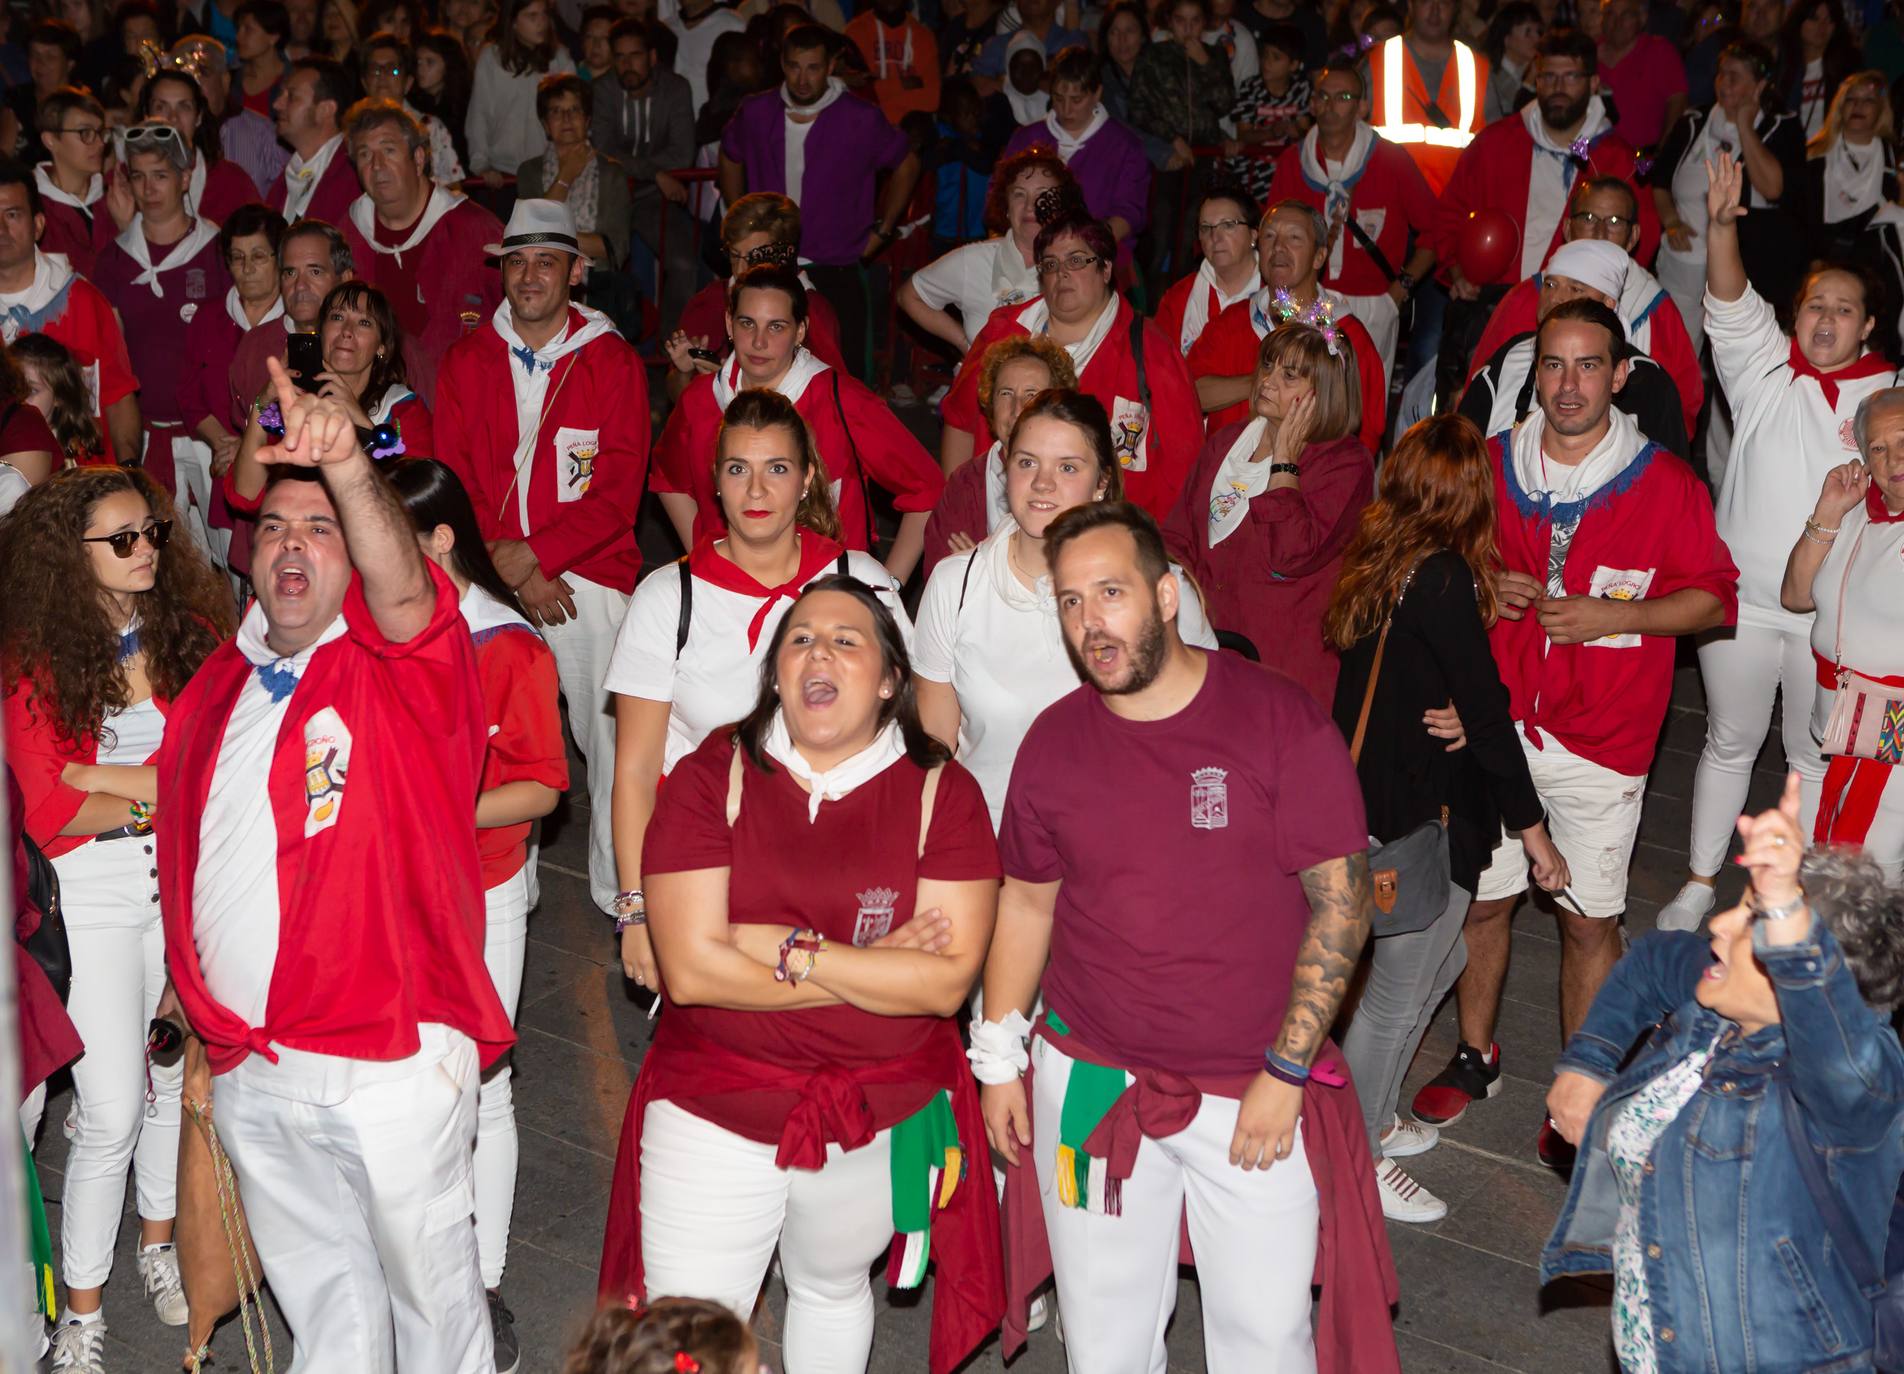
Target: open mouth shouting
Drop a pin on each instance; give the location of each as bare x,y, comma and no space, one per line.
818,691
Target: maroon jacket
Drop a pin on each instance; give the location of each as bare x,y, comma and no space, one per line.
48,1039
961,510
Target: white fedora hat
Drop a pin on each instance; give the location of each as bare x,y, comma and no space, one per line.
539,224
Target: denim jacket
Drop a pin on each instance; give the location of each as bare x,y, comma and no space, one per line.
1741,1275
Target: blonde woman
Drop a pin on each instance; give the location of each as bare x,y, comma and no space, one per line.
1850,167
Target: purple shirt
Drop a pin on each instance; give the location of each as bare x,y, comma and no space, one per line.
251,141
1110,169
1642,82
846,146
155,325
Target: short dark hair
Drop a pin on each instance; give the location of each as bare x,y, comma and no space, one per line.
1285,38
14,173
807,37
1079,66
248,220
1084,412
56,33
1751,53
369,115
630,27
66,102
1237,194
770,277
268,15
1571,43
1587,311
341,262
1609,183
594,12
1152,559
334,83
549,88
1095,233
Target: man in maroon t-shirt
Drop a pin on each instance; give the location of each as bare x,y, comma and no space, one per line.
1186,872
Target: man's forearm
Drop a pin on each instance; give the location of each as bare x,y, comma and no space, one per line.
123,426
1341,909
383,547
1214,393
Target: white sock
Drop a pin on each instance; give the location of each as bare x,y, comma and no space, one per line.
1489,1055
72,1318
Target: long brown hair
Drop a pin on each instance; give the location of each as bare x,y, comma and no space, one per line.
65,640
1437,493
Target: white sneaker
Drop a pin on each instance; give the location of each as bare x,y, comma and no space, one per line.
1410,1137
1688,909
158,1267
79,1347
1403,1199
1039,1314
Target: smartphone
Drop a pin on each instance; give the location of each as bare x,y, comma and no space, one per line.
304,359
705,355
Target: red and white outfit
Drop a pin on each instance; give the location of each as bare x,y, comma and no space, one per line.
1859,592
748,1131
211,340
1791,425
69,309
324,931
76,228
1155,442
552,445
440,281
859,438
1193,301
109,895
524,725
1628,522
1378,186
713,679
322,188
705,314
1229,348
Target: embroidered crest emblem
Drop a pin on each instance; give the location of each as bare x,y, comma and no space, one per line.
1209,799
576,450
326,769
875,915
1130,427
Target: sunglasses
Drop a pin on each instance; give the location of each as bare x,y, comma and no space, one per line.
158,534
153,133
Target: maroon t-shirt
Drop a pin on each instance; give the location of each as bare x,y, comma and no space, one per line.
852,873
1178,843
155,324
24,430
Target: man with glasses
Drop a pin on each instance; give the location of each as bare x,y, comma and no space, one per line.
645,120
72,187
319,181
312,258
1372,198
1427,87
388,74
1226,232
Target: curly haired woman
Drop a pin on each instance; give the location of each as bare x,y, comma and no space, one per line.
87,679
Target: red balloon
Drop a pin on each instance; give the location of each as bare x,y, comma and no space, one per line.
1489,246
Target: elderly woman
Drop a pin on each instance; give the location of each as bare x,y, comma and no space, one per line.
807,1089
1273,499
592,184
1796,398
1747,1158
1850,167
1844,568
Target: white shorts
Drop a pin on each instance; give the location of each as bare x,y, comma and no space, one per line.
1593,816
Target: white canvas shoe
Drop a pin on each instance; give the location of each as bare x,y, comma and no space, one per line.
1688,909
1403,1199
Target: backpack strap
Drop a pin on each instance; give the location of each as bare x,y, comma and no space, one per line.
928,793
1824,1198
1137,354
859,469
965,582
733,787
839,565
687,610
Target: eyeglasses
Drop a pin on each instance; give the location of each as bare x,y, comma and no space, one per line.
158,534
1077,262
1617,224
1222,226
88,134
1548,80
1323,98
385,69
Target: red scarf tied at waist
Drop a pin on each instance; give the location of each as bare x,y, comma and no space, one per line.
968,1298
712,566
1870,365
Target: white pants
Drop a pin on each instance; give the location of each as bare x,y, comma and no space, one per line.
713,1205
1254,1233
361,1214
582,648
1593,818
192,467
1742,670
111,902
1383,320
32,1108
504,939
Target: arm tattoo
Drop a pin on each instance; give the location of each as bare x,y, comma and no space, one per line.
1341,906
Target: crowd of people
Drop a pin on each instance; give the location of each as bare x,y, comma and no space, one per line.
1412,388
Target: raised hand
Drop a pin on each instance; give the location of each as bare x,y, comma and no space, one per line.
318,431
1845,486
1725,186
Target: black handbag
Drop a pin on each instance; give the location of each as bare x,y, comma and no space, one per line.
48,945
1410,875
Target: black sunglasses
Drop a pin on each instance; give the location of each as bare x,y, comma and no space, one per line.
158,534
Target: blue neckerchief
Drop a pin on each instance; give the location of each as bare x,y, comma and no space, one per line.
128,644
278,679
20,320
527,357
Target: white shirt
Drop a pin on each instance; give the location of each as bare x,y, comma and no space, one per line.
977,278
716,679
13,485
1873,604
1003,652
694,46
136,733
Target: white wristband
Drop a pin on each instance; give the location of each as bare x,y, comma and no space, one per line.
998,1049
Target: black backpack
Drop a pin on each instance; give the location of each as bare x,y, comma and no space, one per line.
686,620
47,945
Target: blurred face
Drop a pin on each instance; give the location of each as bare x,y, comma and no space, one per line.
1021,203
1037,13
1275,66
158,187
1622,22
253,40
122,511
1287,253
1224,234
384,76
1124,40
300,565
1762,19
1884,450
1113,619
430,70
1576,377
464,14
1074,104
1603,214
1277,388
402,23
351,341
78,143
1013,387
565,124
337,27
38,394
1557,290
1050,467
1815,30
19,228
390,170
1431,19
1736,985
254,267
537,282
1831,325
171,101
1737,87
1076,281
301,15
634,64
79,14
1521,42
305,277
1338,103
1186,24
532,24
1025,70
1563,88
765,335
832,676
806,71
1858,111
138,29
301,120
46,63
760,483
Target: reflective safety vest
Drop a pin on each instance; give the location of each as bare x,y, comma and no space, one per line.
1394,76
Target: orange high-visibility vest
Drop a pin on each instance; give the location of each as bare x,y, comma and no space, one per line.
1403,111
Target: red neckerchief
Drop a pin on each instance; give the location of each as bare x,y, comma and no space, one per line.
1875,508
706,562
1870,365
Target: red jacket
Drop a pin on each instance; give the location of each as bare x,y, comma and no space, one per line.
1228,348
1389,200
1169,434
961,510
381,910
1271,579
68,232
859,438
336,189
591,455
48,1039
706,314
37,754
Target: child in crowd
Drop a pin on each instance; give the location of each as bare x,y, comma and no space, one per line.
669,1336
1271,110
56,385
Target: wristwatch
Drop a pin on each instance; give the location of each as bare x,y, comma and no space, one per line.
1293,469
1779,913
1408,281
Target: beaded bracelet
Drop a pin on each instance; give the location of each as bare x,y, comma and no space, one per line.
798,954
1287,1070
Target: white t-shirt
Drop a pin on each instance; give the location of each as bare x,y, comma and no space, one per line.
716,679
694,46
977,278
1872,600
136,733
13,485
1003,652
